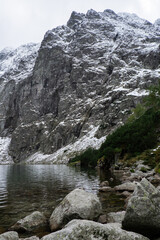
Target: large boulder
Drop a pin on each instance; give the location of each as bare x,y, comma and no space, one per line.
78,204
143,210
9,236
89,230
32,223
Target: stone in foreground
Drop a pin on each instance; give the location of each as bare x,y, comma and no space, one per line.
104,184
115,217
32,223
106,189
127,186
143,210
89,230
30,238
78,204
9,236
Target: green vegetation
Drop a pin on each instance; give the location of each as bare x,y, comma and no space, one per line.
136,113
153,99
88,158
140,133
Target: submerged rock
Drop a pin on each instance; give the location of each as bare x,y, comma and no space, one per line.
78,204
89,230
143,210
31,223
9,236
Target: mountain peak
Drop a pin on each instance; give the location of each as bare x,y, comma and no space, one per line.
75,18
79,86
92,14
157,22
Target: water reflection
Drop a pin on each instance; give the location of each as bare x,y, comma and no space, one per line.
3,188
26,188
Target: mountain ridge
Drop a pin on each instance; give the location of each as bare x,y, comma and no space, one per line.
86,77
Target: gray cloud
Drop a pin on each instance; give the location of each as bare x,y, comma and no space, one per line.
23,21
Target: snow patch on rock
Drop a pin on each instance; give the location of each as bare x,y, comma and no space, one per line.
4,156
63,155
17,64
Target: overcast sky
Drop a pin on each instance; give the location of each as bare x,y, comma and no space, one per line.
24,21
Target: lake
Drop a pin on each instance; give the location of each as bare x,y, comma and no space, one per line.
26,188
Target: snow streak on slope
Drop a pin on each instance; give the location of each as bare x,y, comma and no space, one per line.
4,157
64,154
17,64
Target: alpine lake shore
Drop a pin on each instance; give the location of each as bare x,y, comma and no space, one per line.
79,85
80,214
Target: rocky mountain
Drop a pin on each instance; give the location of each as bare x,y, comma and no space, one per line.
16,65
77,87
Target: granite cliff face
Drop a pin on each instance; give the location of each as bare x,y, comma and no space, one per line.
79,86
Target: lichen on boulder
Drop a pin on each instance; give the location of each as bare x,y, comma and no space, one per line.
78,204
11,235
89,230
143,210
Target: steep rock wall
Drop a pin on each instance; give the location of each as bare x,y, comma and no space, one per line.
86,78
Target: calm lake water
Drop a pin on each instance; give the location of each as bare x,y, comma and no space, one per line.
26,188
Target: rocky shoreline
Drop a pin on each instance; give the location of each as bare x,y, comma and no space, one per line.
80,214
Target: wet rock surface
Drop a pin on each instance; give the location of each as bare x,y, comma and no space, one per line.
33,223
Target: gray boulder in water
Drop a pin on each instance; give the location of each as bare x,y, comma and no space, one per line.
78,204
143,210
31,223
